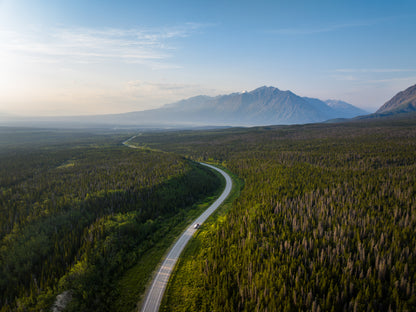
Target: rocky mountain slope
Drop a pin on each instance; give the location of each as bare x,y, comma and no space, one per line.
262,106
404,101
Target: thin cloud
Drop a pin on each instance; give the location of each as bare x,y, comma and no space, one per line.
165,91
310,30
374,70
409,80
96,45
371,75
316,30
345,77
370,79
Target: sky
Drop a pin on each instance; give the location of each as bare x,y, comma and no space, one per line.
95,57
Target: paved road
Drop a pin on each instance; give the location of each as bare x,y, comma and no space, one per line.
155,294
126,142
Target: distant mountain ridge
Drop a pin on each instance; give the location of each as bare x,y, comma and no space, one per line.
404,101
262,106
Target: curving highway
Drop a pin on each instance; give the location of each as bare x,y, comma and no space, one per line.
155,294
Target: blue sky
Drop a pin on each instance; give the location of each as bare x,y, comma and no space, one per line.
89,57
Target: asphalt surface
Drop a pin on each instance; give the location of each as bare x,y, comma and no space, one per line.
155,294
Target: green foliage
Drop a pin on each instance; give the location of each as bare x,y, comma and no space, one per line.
326,220
79,227
132,285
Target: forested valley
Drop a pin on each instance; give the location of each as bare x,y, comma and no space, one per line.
326,220
79,209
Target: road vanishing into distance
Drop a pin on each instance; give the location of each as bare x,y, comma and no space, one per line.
155,294
126,142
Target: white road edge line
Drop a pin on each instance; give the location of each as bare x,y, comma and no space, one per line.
160,280
155,294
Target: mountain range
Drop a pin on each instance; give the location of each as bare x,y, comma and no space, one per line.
262,106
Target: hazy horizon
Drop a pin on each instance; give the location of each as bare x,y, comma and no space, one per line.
102,57
23,116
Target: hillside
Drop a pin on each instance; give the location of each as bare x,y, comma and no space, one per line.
262,106
402,102
78,211
325,221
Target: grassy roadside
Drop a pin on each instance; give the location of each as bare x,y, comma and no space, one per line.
179,284
133,283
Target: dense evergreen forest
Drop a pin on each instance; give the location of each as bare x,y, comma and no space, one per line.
79,209
326,220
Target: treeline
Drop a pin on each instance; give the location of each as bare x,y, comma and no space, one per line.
76,217
326,220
